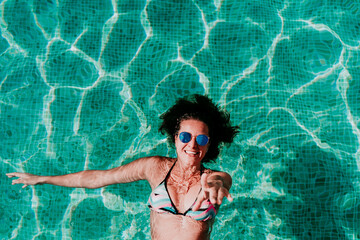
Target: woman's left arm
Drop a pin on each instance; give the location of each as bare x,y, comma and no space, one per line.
215,186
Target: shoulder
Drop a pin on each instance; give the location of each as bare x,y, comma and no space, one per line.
158,161
157,168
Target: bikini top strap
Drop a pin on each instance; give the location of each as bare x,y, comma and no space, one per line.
168,174
202,168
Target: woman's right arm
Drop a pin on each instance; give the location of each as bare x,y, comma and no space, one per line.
137,170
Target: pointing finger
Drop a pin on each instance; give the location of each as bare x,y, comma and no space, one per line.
224,193
220,197
213,195
10,175
204,183
227,195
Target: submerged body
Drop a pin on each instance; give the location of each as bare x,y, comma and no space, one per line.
164,227
180,222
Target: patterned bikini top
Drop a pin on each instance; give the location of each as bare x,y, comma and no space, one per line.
160,201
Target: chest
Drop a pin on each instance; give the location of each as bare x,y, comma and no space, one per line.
183,197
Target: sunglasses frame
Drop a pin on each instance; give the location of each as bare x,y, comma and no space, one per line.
191,137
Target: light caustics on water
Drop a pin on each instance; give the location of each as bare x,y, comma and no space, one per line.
82,85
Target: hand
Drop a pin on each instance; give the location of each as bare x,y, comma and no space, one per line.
24,178
212,189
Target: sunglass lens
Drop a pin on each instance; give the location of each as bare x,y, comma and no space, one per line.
202,140
185,137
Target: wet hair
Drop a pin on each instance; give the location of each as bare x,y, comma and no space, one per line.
199,107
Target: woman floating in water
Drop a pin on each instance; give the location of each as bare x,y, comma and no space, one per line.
185,195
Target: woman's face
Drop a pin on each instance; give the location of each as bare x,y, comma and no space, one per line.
192,151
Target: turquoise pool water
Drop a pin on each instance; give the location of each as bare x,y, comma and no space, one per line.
82,84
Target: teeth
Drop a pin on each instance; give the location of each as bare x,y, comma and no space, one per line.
191,152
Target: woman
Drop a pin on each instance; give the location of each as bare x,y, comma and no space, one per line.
186,196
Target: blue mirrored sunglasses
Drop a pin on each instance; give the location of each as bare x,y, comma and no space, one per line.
186,137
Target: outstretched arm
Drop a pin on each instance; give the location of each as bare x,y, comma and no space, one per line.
215,187
136,170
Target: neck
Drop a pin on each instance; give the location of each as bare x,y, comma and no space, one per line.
183,176
187,170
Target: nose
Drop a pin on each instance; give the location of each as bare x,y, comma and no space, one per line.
193,142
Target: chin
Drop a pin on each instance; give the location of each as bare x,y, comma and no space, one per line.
193,159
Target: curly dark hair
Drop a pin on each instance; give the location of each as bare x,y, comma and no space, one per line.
203,109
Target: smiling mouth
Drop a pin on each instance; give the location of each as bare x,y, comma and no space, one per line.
193,153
